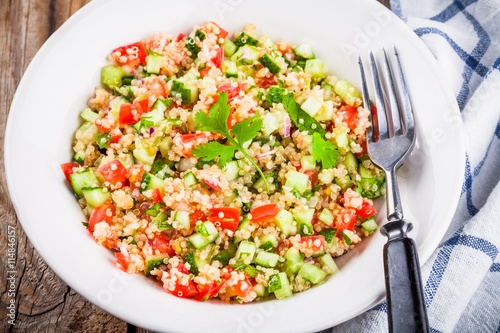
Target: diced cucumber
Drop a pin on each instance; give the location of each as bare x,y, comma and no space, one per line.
327,91
327,262
154,62
182,218
344,182
347,92
304,221
81,179
126,159
188,93
88,115
268,242
284,221
228,199
229,67
297,180
259,185
229,47
116,104
231,170
245,39
341,140
304,51
200,241
270,124
95,196
143,154
267,259
86,133
223,257
150,182
370,225
285,290
79,156
246,55
350,162
161,221
316,68
259,289
312,105
312,273
294,260
153,261
326,176
190,179
165,145
112,75
243,224
194,262
326,112
326,216
307,162
267,43
245,252
267,61
365,172
192,47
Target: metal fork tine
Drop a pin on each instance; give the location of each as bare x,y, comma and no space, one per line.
405,106
372,130
393,116
380,103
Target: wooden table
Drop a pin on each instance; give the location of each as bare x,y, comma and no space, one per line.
43,302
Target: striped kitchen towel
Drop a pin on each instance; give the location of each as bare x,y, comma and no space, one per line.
462,277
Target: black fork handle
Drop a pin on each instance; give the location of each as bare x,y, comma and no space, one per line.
405,298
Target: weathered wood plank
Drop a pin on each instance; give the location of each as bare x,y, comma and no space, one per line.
42,301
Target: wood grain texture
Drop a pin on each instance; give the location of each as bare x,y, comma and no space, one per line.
43,302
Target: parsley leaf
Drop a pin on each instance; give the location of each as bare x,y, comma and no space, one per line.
324,151
216,121
210,150
300,118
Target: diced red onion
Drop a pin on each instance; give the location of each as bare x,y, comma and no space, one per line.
286,130
267,153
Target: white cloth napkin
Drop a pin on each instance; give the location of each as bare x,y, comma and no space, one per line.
462,277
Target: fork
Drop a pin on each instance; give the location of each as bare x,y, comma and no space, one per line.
390,141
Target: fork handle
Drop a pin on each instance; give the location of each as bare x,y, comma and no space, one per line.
405,298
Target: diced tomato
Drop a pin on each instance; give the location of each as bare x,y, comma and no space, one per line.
131,113
192,136
121,261
212,184
157,197
313,176
315,243
266,81
182,268
131,55
135,174
225,217
230,118
67,169
367,210
345,220
113,172
207,291
180,37
103,127
364,149
102,213
115,138
230,90
161,243
264,213
196,216
183,291
219,57
204,72
349,116
240,289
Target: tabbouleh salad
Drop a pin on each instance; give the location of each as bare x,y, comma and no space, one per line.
224,167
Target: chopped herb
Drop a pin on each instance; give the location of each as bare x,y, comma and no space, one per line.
301,119
274,283
200,34
324,151
328,233
85,224
153,210
237,136
102,140
192,47
191,260
274,95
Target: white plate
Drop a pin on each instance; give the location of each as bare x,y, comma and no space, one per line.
62,76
